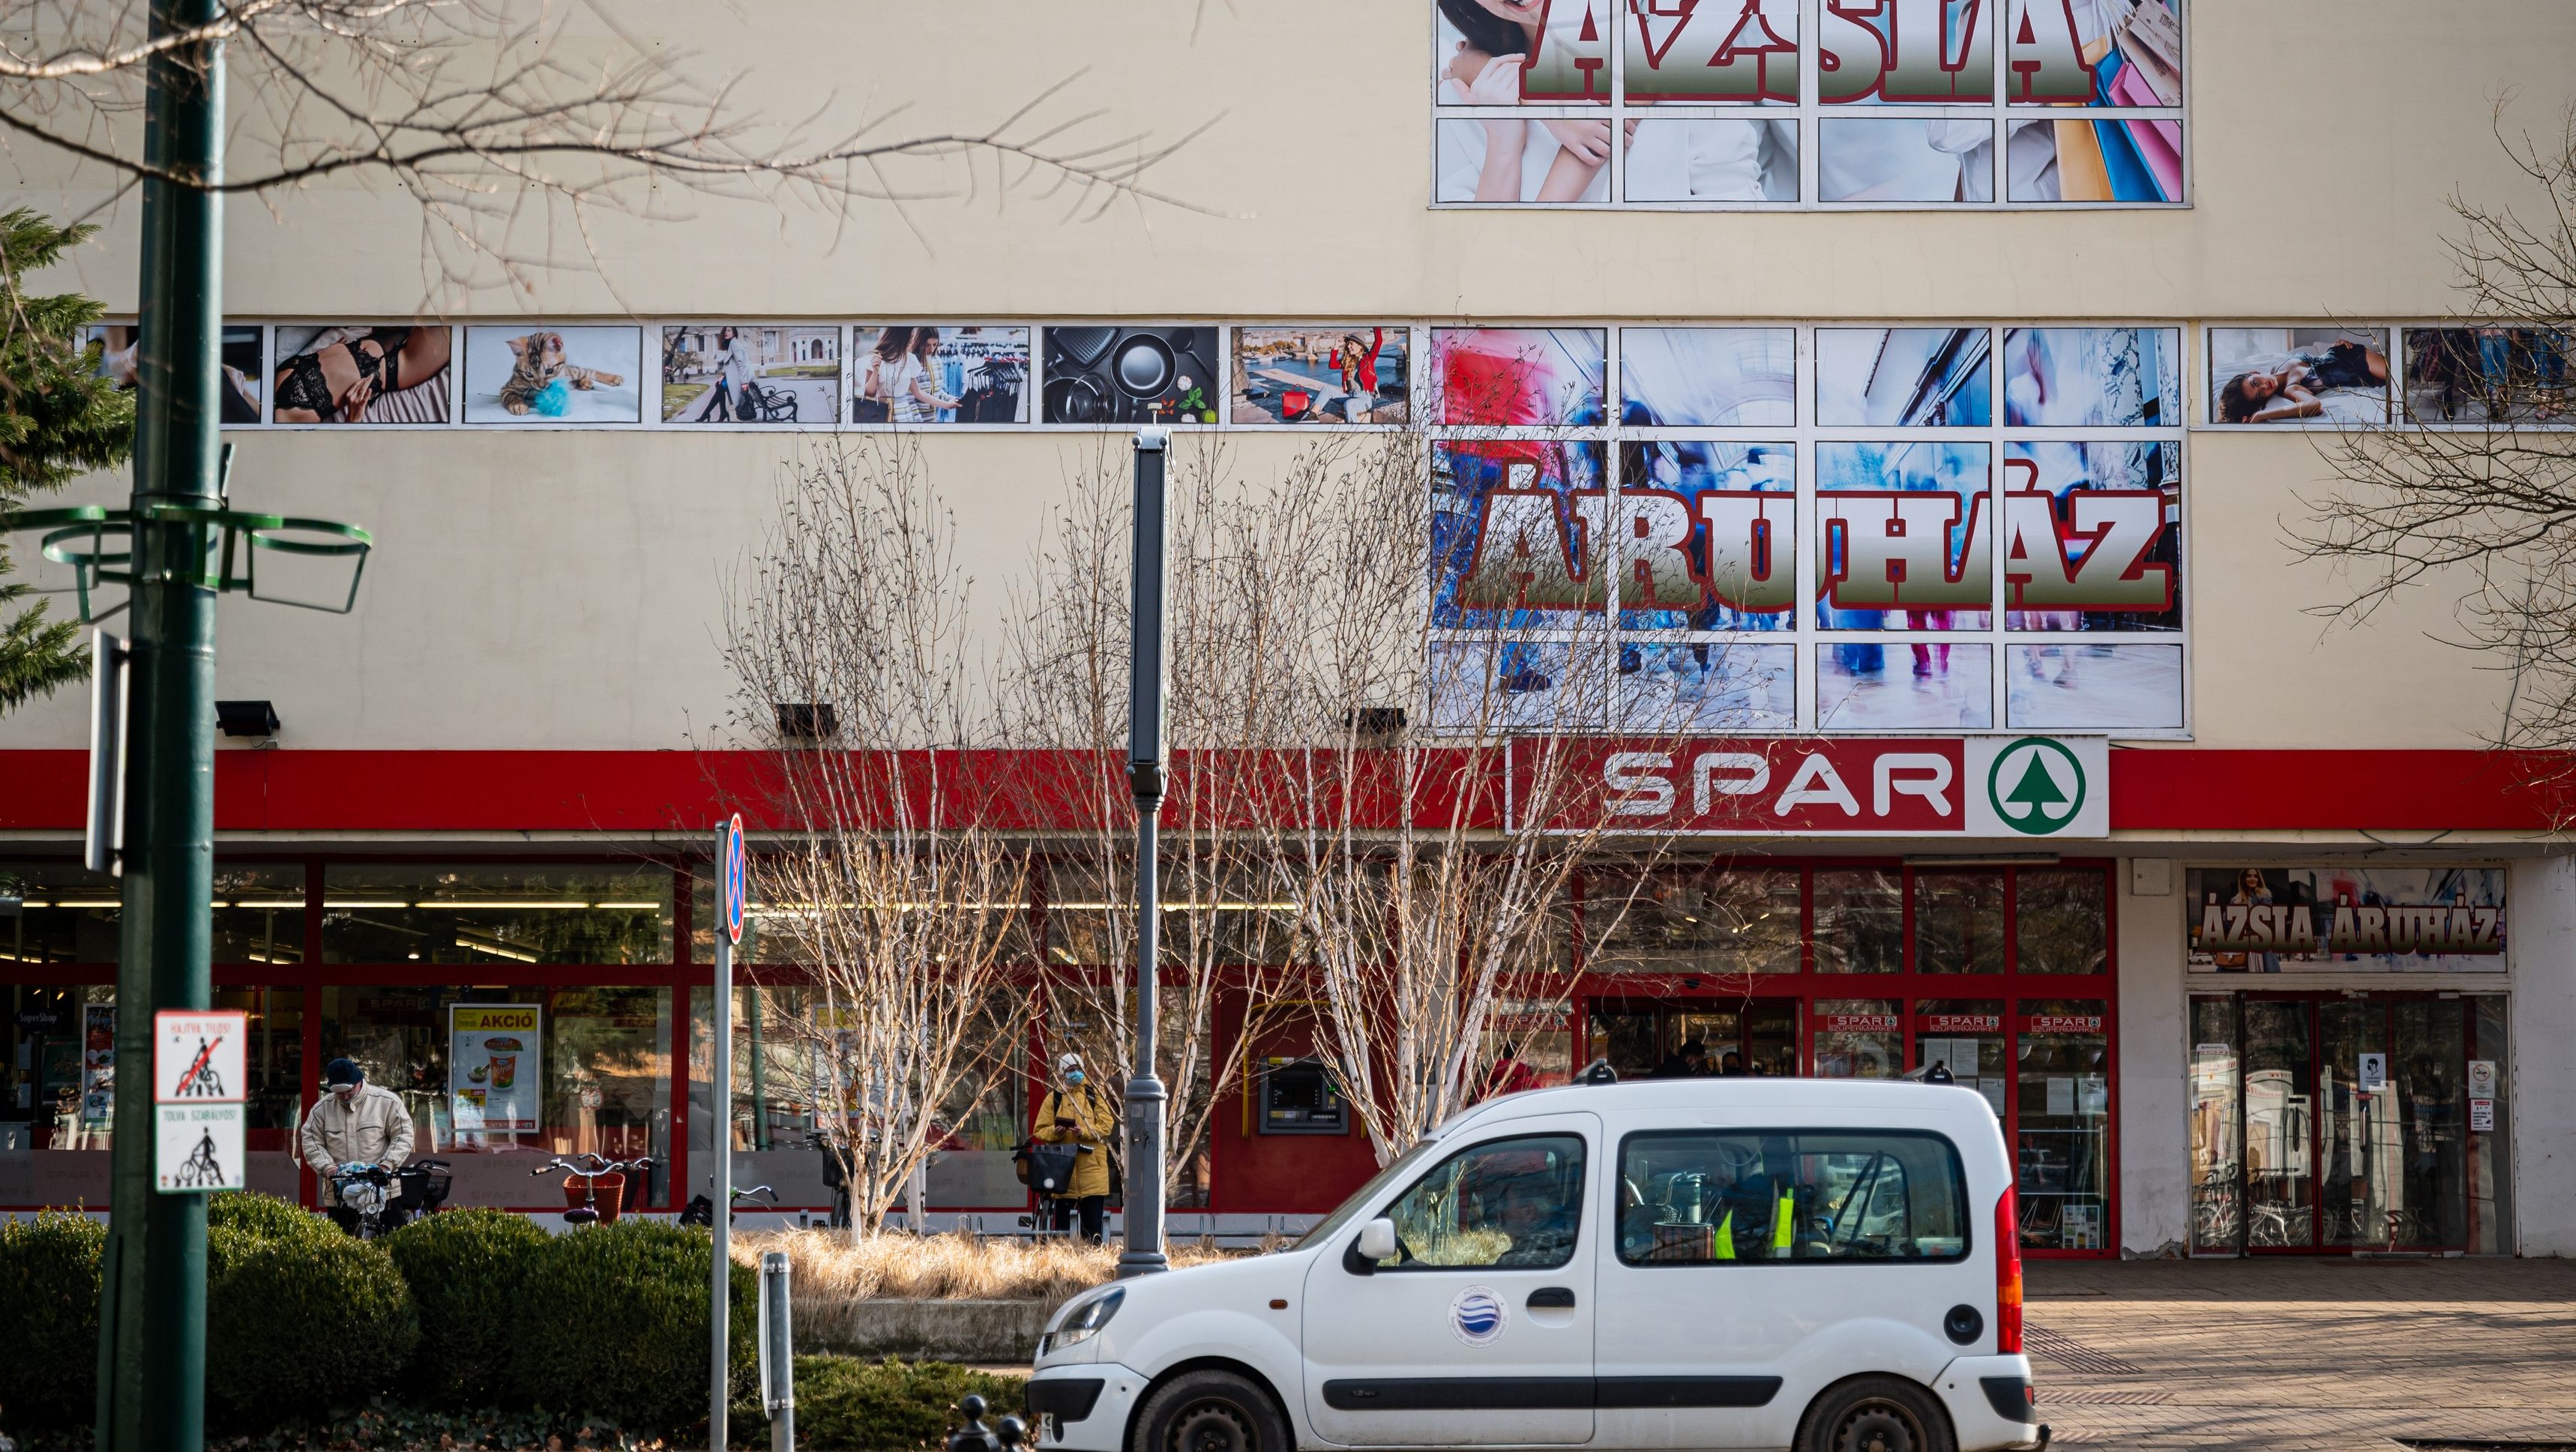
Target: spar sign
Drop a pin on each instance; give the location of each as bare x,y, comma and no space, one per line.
2008,787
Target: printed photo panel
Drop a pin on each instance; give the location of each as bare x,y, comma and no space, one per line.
1520,52
375,373
1356,374
1708,377
2092,378
759,373
115,352
1711,159
542,373
1704,531
2083,686
1516,534
2093,53
2298,375
2092,535
1519,377
1903,377
1540,157
1895,686
1121,375
1934,159
933,373
1913,52
1492,685
1706,688
2136,159
2493,373
1710,51
1904,536
2346,918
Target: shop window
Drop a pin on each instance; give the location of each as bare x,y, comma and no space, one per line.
1860,921
1959,922
787,932
54,912
259,914
2062,1165
499,1078
1713,921
1536,1034
2217,1131
57,1116
1698,1197
1859,1038
1964,1037
497,916
2062,920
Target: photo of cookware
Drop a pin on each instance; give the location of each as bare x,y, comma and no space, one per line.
1097,375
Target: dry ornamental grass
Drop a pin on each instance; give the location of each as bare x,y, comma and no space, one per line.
830,1267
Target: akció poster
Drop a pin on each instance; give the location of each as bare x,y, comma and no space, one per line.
493,1074
2347,919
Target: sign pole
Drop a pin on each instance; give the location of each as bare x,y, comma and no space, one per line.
1143,1254
733,893
152,1309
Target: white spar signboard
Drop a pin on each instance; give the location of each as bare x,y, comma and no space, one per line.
200,1076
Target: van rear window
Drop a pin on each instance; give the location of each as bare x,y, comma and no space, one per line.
1714,1196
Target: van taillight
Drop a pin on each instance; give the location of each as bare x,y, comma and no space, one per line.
2007,1275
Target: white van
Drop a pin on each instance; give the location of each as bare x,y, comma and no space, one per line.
1823,1265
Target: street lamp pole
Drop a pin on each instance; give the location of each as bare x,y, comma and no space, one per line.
152,1333
1143,1254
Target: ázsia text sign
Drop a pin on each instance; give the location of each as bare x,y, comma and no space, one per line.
2002,786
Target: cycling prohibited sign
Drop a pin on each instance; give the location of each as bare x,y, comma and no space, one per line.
200,1076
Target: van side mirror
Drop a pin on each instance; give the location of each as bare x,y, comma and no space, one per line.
1377,1239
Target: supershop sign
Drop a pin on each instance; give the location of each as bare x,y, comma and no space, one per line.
2015,788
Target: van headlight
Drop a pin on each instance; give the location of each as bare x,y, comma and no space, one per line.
1083,1322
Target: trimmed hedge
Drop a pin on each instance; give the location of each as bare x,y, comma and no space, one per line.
469,1272
49,1289
298,1316
614,1320
883,1405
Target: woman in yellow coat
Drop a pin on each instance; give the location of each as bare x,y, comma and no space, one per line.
1077,1111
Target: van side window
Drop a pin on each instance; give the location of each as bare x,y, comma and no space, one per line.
1505,1203
1707,1196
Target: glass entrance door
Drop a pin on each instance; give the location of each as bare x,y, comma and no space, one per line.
2280,1095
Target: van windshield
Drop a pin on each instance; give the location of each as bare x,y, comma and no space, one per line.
1359,1197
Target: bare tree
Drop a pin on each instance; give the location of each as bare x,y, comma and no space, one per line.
2474,488
890,880
502,119
1068,647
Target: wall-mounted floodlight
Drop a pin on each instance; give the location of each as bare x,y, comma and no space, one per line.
246,718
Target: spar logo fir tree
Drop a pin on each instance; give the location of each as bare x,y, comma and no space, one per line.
2036,786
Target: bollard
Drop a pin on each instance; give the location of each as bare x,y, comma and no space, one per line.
777,1353
973,1437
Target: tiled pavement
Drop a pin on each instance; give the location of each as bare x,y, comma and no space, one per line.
2287,1354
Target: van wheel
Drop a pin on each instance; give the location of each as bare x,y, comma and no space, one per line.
1210,1411
1876,1414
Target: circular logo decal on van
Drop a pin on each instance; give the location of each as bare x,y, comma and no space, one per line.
1478,1315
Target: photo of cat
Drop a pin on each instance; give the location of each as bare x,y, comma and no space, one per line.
533,374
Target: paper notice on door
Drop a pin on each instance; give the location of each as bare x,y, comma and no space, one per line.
2061,1096
2482,1077
1993,1088
2481,1116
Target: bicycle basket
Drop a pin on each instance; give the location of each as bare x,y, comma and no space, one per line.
1051,1167
423,1186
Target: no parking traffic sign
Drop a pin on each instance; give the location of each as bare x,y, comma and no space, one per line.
737,878
199,1081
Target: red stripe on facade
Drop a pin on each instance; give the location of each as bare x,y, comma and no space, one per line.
685,791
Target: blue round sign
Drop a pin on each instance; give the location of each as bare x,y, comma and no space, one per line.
737,884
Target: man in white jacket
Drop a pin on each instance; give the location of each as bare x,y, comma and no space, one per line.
355,1125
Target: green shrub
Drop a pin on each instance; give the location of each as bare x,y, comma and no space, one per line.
300,1321
49,1287
881,1406
614,1320
470,1273
264,1216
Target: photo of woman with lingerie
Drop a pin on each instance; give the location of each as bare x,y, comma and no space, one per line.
334,373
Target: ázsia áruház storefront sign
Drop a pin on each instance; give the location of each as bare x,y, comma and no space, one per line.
2010,787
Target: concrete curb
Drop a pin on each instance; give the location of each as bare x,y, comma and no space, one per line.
943,1330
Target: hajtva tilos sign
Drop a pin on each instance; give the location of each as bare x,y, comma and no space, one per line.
2347,919
2010,787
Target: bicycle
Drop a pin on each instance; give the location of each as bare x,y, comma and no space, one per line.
602,1176
361,1193
701,1210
